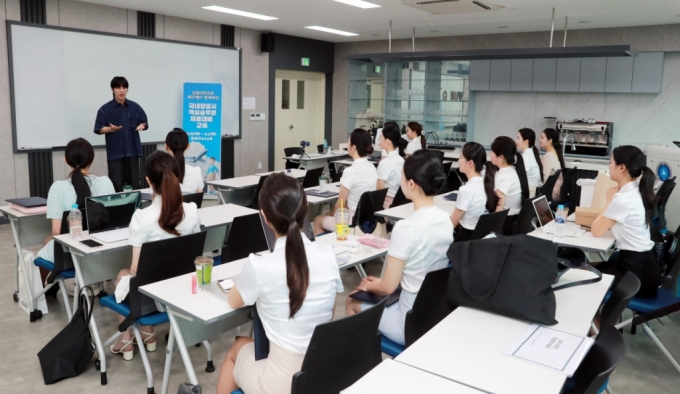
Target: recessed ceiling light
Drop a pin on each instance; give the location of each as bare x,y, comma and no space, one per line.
502,27
434,31
359,3
333,31
583,21
239,13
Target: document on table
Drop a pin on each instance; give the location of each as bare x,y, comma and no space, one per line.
550,348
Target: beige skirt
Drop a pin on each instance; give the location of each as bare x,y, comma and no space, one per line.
272,375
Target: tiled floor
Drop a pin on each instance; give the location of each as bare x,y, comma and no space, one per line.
644,369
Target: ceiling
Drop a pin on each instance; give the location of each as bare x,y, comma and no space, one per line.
372,24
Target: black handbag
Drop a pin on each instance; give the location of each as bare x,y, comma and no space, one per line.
511,276
569,258
68,353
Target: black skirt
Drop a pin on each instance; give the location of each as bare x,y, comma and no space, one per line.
462,234
642,264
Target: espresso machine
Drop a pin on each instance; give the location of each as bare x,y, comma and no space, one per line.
586,136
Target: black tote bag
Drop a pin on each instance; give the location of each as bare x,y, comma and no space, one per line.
68,353
511,276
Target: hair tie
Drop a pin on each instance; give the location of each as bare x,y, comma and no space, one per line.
165,166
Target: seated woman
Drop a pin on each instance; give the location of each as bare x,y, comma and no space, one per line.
477,196
419,244
552,161
628,214
526,140
358,178
190,177
166,217
293,289
389,169
414,131
510,181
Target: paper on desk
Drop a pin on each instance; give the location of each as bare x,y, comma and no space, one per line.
556,350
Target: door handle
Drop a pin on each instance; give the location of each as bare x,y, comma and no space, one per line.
290,127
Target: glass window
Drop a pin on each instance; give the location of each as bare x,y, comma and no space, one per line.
300,94
368,96
285,94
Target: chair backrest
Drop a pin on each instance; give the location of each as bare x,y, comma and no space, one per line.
312,177
369,203
662,195
524,223
439,154
446,167
549,185
619,299
490,223
296,150
196,198
246,236
672,280
599,363
254,203
319,148
62,259
453,180
399,199
430,306
340,353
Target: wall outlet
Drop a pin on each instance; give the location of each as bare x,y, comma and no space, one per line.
257,116
259,165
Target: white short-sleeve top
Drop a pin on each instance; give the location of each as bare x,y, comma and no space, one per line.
421,240
507,182
630,230
472,201
358,178
193,180
413,146
263,280
534,176
389,170
144,226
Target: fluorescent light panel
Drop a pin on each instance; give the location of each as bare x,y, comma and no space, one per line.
333,31
359,3
239,13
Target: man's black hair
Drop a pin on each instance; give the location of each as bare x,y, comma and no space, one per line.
119,82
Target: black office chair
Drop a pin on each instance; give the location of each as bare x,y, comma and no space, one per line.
593,374
662,196
196,198
340,353
439,154
288,152
319,148
453,180
618,300
490,223
312,177
399,199
254,203
246,236
429,308
524,223
549,185
446,167
369,204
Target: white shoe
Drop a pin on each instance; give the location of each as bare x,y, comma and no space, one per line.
146,336
127,354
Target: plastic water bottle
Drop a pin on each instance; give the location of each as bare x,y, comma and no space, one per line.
325,145
560,222
75,222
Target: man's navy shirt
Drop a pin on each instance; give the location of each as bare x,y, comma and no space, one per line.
124,142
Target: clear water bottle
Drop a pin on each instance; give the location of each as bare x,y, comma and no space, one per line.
75,222
560,222
325,145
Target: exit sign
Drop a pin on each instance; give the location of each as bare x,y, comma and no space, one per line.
376,69
305,61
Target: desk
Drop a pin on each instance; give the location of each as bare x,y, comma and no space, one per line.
406,210
316,203
468,345
586,241
294,172
240,190
392,377
316,160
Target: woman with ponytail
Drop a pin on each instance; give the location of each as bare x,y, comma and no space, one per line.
389,169
293,288
477,196
190,177
166,217
418,246
628,214
526,140
552,160
510,182
414,132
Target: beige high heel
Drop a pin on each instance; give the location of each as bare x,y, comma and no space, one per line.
127,354
150,346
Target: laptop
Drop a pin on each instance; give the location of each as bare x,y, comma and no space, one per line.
28,202
271,237
108,217
547,221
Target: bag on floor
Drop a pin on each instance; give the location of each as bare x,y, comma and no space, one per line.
35,281
188,388
68,353
511,276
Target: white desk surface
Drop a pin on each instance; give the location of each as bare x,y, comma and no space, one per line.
295,173
392,377
11,212
317,156
585,241
65,239
406,210
331,187
241,182
468,345
355,258
219,215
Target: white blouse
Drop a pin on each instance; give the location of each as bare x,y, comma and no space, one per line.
507,182
144,226
193,180
389,170
358,178
472,201
630,230
534,175
413,146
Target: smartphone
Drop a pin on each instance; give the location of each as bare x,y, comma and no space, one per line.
226,284
91,243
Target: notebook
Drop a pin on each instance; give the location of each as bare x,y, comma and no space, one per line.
374,299
108,217
547,221
319,193
28,202
213,288
451,197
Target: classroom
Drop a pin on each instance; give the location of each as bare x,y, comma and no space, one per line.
340,196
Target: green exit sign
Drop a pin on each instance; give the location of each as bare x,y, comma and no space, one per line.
376,69
305,61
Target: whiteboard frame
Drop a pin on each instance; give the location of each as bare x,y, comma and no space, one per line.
10,23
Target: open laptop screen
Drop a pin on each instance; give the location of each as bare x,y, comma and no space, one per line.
111,212
543,212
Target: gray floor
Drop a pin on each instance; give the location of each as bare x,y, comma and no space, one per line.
644,369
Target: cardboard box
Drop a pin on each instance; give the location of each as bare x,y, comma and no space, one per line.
586,216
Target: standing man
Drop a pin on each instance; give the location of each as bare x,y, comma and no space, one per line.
121,120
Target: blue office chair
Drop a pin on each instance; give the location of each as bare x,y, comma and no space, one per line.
158,261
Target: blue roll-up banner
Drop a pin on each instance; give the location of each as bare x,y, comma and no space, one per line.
202,120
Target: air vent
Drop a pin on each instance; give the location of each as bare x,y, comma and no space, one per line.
449,7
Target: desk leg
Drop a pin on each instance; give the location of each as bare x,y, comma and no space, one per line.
182,349
168,361
32,303
384,261
220,198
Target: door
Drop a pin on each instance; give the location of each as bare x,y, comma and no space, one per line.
299,110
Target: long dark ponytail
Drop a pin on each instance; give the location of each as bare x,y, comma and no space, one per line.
284,204
392,133
79,155
418,129
634,160
553,136
178,141
529,135
506,147
476,153
425,168
163,172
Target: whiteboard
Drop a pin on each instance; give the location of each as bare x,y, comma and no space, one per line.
59,78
